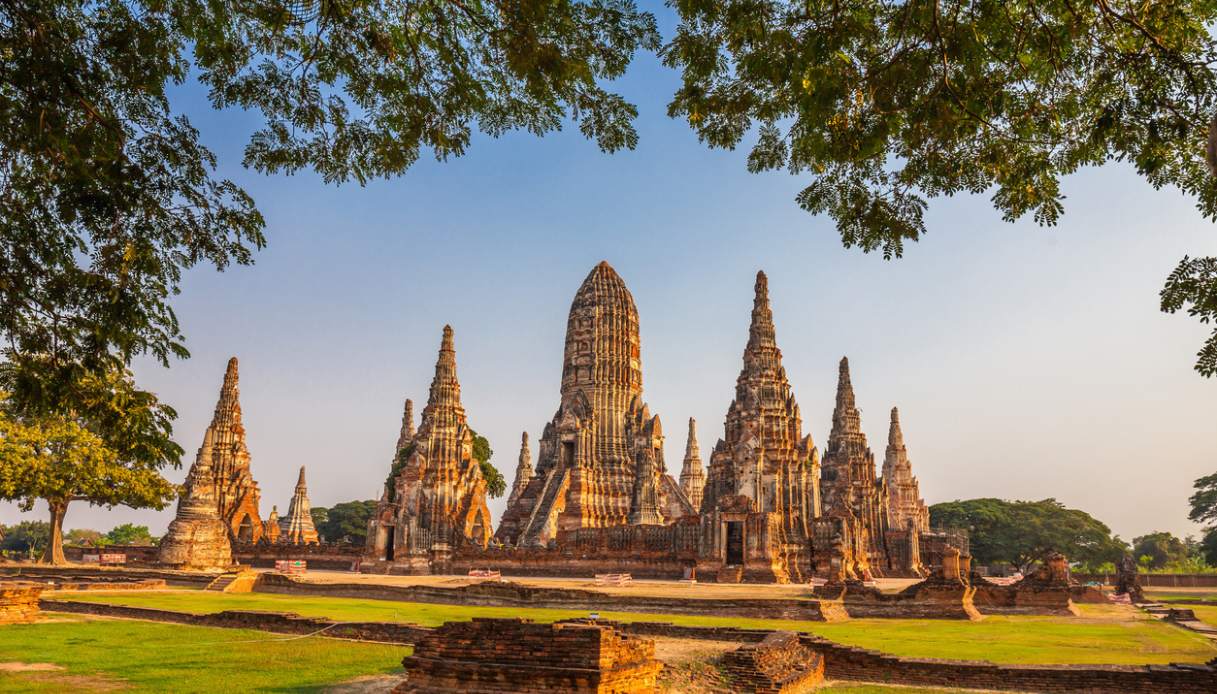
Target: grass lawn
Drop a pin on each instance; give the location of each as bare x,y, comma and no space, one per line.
1205,613
127,655
1105,634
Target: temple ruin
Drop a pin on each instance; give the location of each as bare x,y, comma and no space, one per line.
692,477
297,527
600,460
435,498
197,538
905,507
237,492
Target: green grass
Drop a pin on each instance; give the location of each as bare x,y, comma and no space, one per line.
113,654
1174,595
1205,613
1103,635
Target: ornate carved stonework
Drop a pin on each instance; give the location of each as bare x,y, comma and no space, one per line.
271,526
238,495
197,538
905,507
851,494
692,477
297,527
436,498
761,493
603,437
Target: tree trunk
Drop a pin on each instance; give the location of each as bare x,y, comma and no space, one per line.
54,548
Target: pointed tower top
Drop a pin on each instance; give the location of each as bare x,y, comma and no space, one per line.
300,482
524,440
406,435
761,334
230,374
895,437
691,444
845,389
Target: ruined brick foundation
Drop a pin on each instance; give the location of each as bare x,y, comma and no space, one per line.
19,602
516,655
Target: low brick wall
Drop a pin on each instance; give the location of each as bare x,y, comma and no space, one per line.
332,556
516,655
780,664
103,574
19,602
78,586
507,594
1155,580
276,622
849,663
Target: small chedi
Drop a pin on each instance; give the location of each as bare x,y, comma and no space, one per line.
197,538
435,499
516,655
600,461
692,477
237,492
297,527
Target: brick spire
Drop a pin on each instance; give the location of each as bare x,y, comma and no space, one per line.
523,471
407,426
692,477
762,355
296,527
846,420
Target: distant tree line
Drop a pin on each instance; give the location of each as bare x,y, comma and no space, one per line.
29,539
1020,533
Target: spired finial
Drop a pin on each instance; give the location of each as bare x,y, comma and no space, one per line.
446,343
895,437
231,375
300,482
524,440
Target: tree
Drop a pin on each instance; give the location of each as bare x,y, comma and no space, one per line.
884,105
320,516
1022,532
106,196
347,522
60,459
83,537
129,534
496,485
1204,502
1162,548
1208,546
28,537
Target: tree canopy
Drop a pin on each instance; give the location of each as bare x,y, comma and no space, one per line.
885,105
496,484
103,456
1022,532
345,522
130,534
1162,548
28,537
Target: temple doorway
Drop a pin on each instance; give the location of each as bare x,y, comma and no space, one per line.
245,532
735,543
392,540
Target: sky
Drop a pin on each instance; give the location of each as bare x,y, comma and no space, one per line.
1027,362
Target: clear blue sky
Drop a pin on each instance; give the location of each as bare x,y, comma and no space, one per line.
1026,362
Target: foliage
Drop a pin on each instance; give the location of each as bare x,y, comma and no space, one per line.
1022,532
399,462
1208,546
129,534
346,522
320,515
110,455
1204,502
496,484
84,537
1162,548
884,105
1106,634
30,537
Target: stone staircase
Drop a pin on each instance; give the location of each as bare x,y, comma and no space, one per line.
555,484
233,582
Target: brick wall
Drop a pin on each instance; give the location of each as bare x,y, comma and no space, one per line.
518,655
779,664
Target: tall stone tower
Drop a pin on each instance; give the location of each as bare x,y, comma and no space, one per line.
237,492
850,488
602,436
692,477
197,538
436,499
905,507
296,528
523,471
761,491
